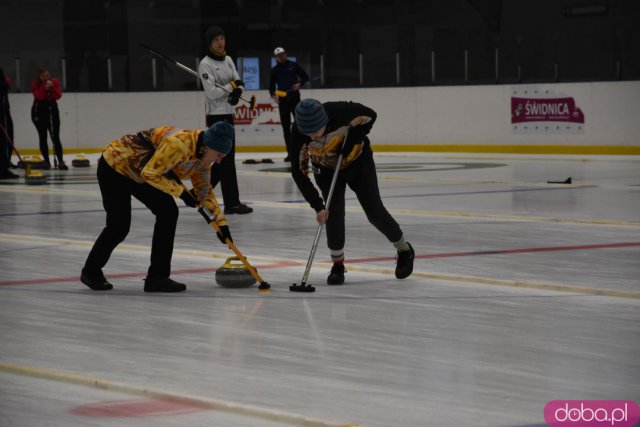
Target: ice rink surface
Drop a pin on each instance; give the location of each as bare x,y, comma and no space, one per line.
523,292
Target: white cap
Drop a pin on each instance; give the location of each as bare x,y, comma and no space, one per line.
278,51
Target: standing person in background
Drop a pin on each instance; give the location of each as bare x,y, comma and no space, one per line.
287,76
46,116
6,129
219,68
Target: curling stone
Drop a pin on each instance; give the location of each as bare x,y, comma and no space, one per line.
36,162
80,162
35,177
231,275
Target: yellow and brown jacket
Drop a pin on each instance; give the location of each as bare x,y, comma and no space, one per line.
149,155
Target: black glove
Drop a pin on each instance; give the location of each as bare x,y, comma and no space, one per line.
224,234
234,96
237,83
353,138
189,198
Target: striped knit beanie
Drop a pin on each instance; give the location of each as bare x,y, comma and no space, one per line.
310,116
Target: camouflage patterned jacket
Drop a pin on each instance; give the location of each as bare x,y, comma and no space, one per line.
148,156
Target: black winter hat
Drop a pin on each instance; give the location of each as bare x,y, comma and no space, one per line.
212,32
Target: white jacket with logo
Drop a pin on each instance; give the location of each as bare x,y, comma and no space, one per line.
222,72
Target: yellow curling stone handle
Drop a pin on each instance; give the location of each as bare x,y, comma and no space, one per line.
228,263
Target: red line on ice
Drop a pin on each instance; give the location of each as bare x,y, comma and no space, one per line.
134,408
352,261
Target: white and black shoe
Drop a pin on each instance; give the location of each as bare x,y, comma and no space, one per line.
336,277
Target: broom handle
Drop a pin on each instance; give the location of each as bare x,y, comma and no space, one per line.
13,147
215,226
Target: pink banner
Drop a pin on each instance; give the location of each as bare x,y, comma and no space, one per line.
524,110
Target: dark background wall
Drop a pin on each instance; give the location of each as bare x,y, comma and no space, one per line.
533,40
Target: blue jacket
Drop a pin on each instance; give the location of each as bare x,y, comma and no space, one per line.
285,75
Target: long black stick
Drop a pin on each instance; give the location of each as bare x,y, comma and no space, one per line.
251,101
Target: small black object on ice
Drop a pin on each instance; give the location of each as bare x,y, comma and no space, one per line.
256,162
567,181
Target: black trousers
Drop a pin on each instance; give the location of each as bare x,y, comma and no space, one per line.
46,118
225,171
287,107
361,177
5,144
116,192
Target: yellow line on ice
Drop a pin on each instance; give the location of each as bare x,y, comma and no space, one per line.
45,189
466,215
436,181
590,150
201,402
126,247
406,212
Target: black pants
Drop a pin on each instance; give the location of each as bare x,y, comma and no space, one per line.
116,192
6,139
287,107
361,177
225,171
46,117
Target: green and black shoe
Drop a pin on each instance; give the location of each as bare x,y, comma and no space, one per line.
404,263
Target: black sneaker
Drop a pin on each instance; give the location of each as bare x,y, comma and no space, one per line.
239,209
336,277
63,166
96,282
163,284
404,263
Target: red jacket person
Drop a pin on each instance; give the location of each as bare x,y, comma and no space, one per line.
45,115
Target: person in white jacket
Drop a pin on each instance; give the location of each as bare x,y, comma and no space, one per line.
218,67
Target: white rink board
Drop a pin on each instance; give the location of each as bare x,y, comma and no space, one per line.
452,115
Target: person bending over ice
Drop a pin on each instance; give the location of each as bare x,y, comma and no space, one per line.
143,165
318,135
